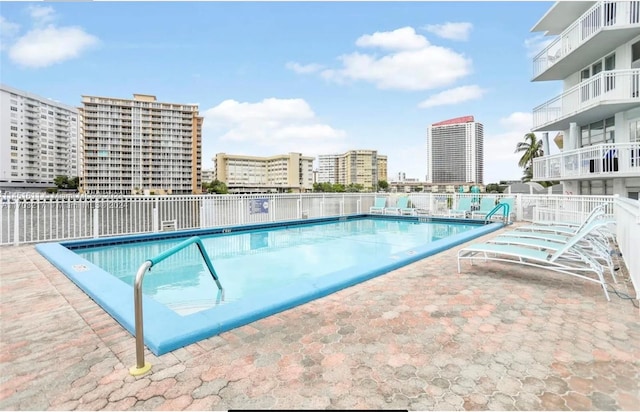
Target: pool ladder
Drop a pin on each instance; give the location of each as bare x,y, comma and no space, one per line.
506,212
142,366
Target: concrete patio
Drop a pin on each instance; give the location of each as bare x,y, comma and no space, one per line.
496,337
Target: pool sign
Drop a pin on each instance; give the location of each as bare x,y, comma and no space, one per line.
259,206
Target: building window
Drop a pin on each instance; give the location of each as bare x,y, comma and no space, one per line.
598,132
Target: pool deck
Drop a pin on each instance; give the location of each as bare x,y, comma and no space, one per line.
495,337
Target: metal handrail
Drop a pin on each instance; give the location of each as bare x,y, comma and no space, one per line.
141,366
499,206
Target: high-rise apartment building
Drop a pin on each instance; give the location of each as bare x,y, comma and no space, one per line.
328,168
39,140
595,53
364,167
140,145
455,151
280,173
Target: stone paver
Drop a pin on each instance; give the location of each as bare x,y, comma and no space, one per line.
495,337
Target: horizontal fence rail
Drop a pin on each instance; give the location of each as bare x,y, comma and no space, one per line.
606,159
612,86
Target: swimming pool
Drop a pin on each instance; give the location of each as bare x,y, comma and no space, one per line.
263,268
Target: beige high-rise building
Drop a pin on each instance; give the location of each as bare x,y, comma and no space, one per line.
280,173
364,167
140,145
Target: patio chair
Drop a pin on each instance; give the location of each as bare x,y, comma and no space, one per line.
592,243
486,205
464,207
568,229
401,207
569,259
379,205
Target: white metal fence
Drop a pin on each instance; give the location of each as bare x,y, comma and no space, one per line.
606,159
33,218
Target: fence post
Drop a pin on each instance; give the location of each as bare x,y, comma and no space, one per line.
156,217
359,205
16,223
342,205
96,218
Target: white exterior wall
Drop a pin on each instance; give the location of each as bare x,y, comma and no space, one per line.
572,137
39,139
327,168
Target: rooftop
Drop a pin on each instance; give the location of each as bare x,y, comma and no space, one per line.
457,120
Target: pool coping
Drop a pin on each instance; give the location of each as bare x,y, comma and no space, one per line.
166,330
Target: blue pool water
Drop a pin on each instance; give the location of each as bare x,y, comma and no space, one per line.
263,270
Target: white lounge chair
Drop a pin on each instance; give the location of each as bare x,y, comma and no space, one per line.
379,205
486,205
464,207
592,243
569,259
401,207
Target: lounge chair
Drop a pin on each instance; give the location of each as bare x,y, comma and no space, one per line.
596,214
597,209
592,243
486,205
464,207
379,205
569,259
401,207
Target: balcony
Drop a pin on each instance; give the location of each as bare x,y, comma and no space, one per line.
593,162
598,31
599,97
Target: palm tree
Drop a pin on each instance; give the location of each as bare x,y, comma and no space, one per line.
532,148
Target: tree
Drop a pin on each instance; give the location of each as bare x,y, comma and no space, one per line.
216,186
383,185
61,181
530,148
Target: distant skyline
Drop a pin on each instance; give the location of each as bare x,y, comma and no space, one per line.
309,77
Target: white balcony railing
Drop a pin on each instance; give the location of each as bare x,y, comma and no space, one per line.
613,86
603,15
609,159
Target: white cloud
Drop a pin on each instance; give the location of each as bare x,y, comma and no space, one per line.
453,96
47,46
304,68
400,39
423,69
45,43
272,126
536,44
451,31
408,62
41,14
7,31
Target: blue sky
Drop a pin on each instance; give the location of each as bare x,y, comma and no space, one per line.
310,77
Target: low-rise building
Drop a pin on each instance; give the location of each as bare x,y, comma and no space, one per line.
291,172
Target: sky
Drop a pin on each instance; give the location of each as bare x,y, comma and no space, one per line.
310,77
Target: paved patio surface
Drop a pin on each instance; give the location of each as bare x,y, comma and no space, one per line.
496,337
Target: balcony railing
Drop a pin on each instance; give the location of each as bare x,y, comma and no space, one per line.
598,161
603,15
613,86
